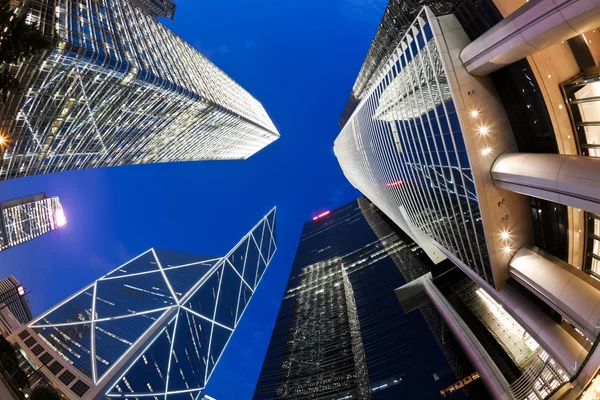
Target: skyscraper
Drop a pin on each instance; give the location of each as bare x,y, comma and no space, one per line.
12,296
119,88
340,332
475,134
155,326
26,218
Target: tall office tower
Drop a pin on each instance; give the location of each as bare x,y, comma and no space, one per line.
340,332
28,217
154,327
119,88
12,296
477,135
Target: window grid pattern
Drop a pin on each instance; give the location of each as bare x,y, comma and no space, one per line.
159,8
582,94
110,94
26,221
96,328
403,148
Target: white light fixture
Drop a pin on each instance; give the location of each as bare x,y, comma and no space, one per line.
507,249
505,235
475,113
486,151
484,130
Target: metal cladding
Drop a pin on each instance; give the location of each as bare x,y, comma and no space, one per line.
158,8
119,88
159,323
398,16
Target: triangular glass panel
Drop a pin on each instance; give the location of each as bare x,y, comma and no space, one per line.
238,257
115,337
174,259
251,265
228,297
190,352
271,219
203,301
261,270
243,302
272,248
258,232
79,308
73,343
220,337
149,372
182,279
265,245
132,294
144,263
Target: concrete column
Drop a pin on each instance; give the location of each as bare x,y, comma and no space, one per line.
495,382
535,26
571,292
570,180
493,379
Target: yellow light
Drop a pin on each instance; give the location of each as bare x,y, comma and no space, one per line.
2,140
486,151
484,130
475,113
505,235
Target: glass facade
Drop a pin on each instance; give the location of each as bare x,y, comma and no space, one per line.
582,95
159,8
12,294
181,308
340,332
476,16
26,218
120,89
404,149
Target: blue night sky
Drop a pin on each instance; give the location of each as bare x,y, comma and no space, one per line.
300,59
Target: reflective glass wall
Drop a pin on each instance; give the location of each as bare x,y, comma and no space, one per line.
156,325
341,332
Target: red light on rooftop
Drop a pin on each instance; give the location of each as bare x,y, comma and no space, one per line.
21,291
394,183
321,215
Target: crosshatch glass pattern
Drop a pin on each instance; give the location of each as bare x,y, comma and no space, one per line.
120,89
403,148
198,299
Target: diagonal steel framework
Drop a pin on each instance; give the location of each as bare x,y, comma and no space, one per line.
180,303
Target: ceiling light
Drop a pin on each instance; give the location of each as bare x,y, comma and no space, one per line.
486,151
484,130
505,235
507,249
475,113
